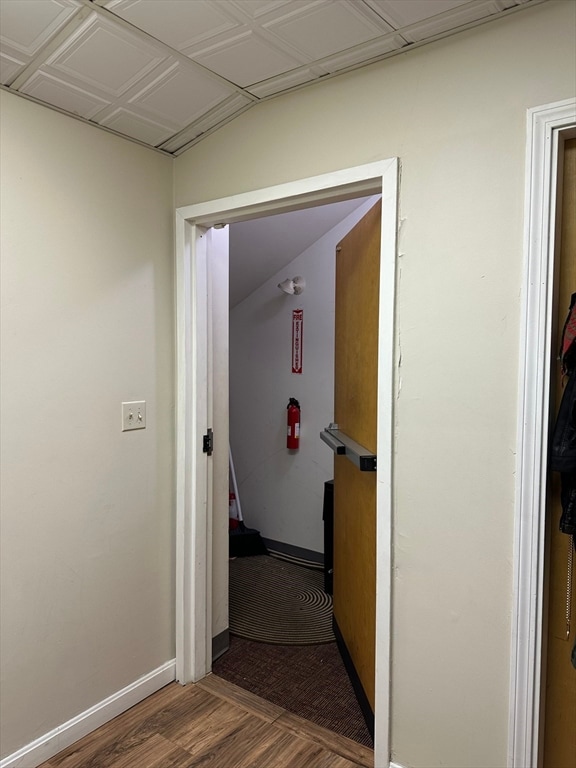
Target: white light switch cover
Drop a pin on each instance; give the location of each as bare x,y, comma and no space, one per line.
133,415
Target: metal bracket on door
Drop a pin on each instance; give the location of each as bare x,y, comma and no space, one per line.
343,445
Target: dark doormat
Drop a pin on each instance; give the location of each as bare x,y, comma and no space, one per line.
309,681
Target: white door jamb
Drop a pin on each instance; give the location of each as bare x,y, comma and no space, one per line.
193,571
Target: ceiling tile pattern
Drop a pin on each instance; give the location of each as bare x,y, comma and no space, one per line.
166,73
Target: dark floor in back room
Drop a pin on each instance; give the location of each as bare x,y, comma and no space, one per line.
309,681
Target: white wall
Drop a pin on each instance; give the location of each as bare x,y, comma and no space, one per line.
87,511
454,112
281,491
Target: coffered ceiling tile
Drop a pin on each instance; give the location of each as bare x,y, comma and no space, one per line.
246,60
181,94
362,54
63,94
400,13
429,19
323,29
232,107
274,85
174,22
138,127
27,26
257,8
105,56
9,66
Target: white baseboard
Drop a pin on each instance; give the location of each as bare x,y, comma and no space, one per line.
396,765
51,743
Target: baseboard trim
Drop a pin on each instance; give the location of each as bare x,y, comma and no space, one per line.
220,644
59,738
354,679
291,550
395,765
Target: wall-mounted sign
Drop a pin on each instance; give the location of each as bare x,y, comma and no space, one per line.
297,325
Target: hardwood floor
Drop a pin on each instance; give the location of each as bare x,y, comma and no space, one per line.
212,724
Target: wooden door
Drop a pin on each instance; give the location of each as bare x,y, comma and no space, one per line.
560,692
355,403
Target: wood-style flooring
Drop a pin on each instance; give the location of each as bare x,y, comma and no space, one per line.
211,724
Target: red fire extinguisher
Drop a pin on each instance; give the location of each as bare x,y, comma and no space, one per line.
293,438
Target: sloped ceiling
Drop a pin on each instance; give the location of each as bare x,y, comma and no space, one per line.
261,247
166,73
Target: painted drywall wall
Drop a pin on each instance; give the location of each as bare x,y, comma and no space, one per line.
281,491
454,112
87,510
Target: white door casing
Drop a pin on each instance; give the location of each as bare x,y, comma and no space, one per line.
194,403
548,127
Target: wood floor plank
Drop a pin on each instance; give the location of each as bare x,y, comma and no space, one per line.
240,747
213,724
200,735
330,760
273,751
91,750
195,706
249,701
154,752
333,742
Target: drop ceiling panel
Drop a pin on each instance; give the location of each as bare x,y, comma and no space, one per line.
255,9
168,72
364,53
247,60
139,127
293,79
105,57
10,65
325,29
219,115
64,95
27,26
400,13
426,20
169,95
178,24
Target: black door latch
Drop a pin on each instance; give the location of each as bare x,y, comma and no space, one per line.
208,442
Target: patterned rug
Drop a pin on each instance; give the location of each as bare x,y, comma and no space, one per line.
278,602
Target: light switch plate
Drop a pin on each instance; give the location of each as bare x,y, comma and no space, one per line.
134,415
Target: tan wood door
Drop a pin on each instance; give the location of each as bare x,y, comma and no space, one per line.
355,403
560,691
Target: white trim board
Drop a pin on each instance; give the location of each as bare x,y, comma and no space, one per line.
59,738
193,577
548,126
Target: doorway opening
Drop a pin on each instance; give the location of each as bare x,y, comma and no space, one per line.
280,489
199,397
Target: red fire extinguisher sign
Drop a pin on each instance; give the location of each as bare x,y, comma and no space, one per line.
293,435
297,327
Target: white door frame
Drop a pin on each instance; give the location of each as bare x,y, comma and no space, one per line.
194,543
548,127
